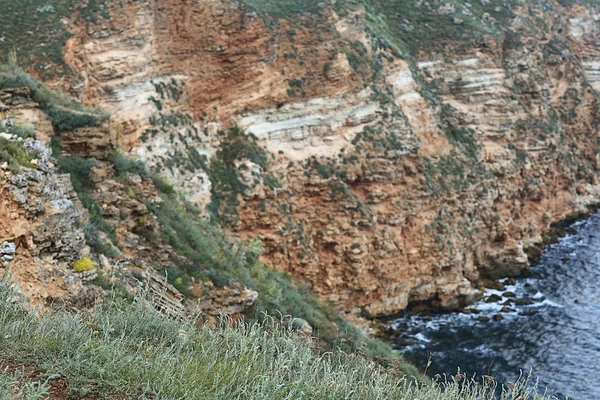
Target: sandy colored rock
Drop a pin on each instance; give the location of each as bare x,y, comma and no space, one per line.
408,184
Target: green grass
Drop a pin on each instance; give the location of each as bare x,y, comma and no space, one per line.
15,385
23,131
127,350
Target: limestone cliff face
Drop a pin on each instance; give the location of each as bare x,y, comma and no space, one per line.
380,176
41,233
52,220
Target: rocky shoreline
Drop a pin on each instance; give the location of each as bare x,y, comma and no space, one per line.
560,229
545,323
498,291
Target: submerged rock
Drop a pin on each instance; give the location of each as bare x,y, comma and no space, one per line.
494,298
528,313
524,302
510,281
493,284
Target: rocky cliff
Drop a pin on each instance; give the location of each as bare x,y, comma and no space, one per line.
41,233
385,152
60,212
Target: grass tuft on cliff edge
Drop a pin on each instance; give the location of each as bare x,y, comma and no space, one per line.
65,114
127,350
14,155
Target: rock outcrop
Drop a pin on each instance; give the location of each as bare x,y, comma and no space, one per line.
381,175
43,224
41,234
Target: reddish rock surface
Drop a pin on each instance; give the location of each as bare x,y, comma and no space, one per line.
404,183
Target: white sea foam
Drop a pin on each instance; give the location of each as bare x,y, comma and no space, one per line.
491,307
547,302
422,338
538,295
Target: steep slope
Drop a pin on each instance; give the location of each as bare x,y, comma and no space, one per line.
388,153
76,231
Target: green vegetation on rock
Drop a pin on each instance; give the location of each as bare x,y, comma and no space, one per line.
283,8
36,30
65,114
14,154
23,131
79,169
236,146
413,26
429,26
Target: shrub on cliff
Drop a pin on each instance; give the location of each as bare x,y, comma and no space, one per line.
126,350
67,119
128,165
14,154
85,264
23,131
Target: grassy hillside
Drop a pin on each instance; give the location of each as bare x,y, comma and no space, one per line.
127,351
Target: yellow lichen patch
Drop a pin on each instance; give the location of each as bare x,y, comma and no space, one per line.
85,264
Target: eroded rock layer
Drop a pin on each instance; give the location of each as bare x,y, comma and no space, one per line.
379,174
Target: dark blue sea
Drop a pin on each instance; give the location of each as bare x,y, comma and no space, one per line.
553,330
